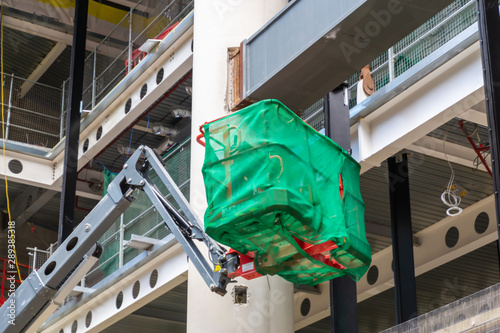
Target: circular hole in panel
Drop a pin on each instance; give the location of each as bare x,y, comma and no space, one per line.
15,166
74,327
119,300
159,76
85,145
136,289
144,90
61,331
153,278
372,275
98,134
451,237
482,222
88,319
305,307
128,105
50,268
72,243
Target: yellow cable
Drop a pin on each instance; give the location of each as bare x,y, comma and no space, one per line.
12,235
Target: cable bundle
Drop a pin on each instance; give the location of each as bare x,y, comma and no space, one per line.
449,197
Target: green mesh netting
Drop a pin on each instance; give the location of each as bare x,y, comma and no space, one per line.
108,178
272,181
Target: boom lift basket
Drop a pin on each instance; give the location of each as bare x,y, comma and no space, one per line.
284,194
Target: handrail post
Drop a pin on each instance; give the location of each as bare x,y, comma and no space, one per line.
34,258
61,126
390,56
94,80
121,240
9,109
129,67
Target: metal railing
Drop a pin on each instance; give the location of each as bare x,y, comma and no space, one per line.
427,38
35,113
32,112
424,40
113,58
38,257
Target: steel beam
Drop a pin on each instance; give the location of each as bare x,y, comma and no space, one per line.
474,116
171,270
110,115
44,65
57,36
452,152
432,253
402,239
344,310
489,25
174,56
70,166
420,109
28,203
39,172
35,171
331,41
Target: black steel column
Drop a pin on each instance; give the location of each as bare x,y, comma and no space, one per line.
402,239
489,28
343,294
68,194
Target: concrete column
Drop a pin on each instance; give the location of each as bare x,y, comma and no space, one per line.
219,25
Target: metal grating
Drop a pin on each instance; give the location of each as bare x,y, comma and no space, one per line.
38,257
103,73
314,116
32,116
424,40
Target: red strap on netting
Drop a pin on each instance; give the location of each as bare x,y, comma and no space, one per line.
200,136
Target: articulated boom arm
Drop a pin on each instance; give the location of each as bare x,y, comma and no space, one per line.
186,229
44,290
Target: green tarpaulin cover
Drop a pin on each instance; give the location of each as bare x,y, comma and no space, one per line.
273,182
